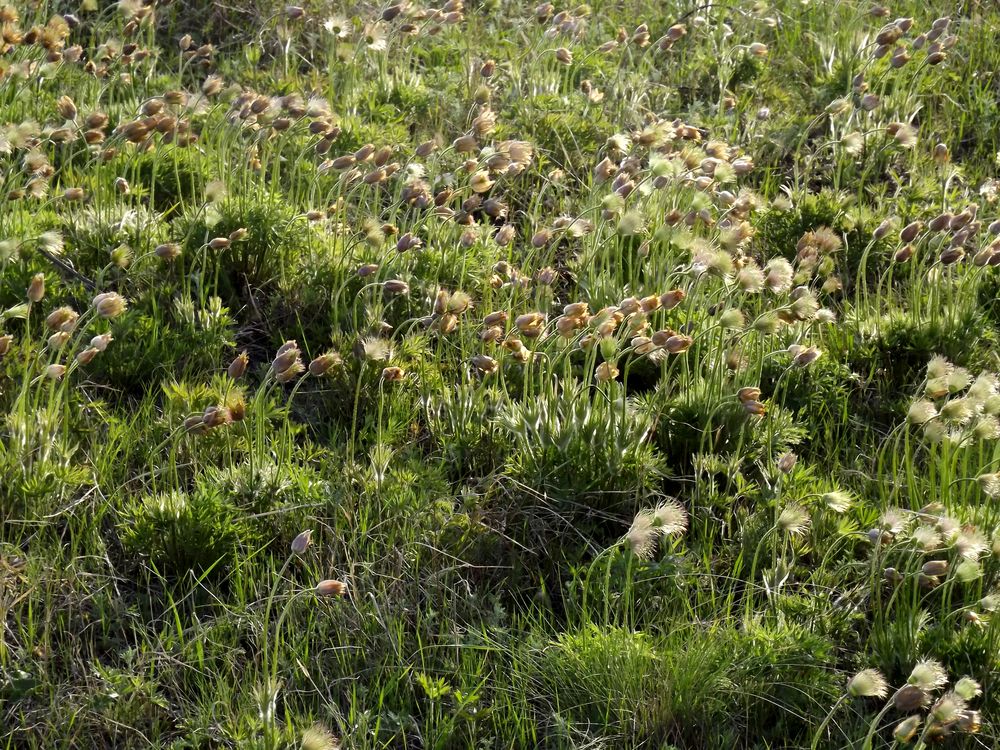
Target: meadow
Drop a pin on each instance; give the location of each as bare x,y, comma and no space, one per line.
499,375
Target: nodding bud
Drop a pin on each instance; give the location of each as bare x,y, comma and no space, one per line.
906,730
215,416
366,270
73,194
66,108
87,355
395,286
671,299
408,241
425,149
110,304
497,318
935,568
36,289
530,324
910,231
58,340
485,364
564,56
101,341
55,372
541,238
238,234
168,251
786,462
904,254
909,698
486,71
288,353
940,222
301,542
237,408
62,319
6,344
294,12
883,229
392,374
122,186
331,587
891,575
465,144
238,367
748,393
606,371
678,344
758,49
219,243
754,407
322,364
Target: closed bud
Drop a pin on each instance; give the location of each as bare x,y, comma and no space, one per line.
330,587
101,341
909,698
87,355
324,363
215,416
301,542
109,304
6,344
484,364
36,289
62,319
935,568
66,107
671,299
395,286
910,231
58,340
238,367
497,318
219,243
73,194
678,344
906,730
392,374
786,462
55,372
168,251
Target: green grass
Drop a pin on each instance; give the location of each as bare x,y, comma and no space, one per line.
501,376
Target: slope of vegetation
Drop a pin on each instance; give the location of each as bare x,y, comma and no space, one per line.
497,375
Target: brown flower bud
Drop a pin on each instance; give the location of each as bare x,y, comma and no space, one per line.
36,289
87,355
392,374
168,251
330,587
238,367
301,542
322,364
110,304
